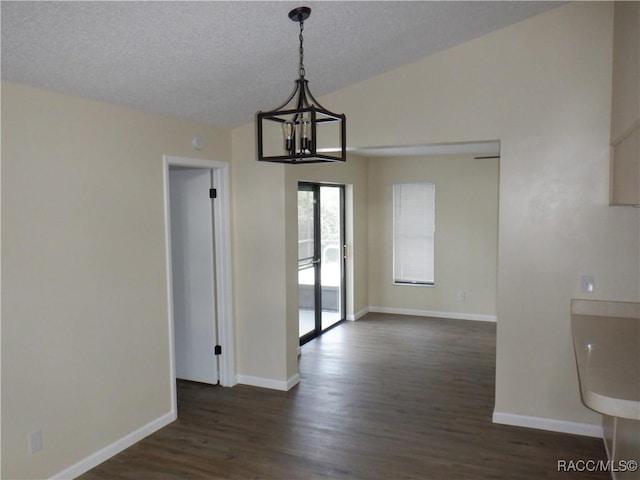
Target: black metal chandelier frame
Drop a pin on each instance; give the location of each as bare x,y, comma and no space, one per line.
301,118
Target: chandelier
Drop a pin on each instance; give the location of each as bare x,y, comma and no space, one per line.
301,130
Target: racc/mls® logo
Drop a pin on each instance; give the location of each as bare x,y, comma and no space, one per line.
597,466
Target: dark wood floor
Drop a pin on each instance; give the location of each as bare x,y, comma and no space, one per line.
386,397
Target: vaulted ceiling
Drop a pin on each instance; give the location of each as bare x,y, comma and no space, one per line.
218,62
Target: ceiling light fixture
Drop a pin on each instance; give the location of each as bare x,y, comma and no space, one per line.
301,130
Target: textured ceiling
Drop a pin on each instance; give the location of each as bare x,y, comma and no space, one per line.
219,62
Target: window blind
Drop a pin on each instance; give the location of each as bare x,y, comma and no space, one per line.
413,233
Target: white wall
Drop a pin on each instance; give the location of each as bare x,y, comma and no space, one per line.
466,236
85,348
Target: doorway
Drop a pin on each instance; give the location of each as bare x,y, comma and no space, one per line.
195,324
321,258
198,253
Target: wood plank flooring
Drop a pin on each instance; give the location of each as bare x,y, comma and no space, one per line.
385,397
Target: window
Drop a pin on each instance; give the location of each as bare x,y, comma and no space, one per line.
413,233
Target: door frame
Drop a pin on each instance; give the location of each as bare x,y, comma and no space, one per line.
315,188
223,261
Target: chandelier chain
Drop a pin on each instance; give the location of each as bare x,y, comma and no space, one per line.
302,72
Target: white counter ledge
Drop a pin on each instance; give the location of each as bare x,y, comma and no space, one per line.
606,339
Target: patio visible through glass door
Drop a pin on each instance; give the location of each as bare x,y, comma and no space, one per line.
321,294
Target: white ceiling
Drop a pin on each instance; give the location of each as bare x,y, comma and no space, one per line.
219,62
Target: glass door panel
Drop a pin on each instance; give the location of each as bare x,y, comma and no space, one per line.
331,260
306,262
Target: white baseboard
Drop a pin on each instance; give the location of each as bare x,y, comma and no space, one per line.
230,381
357,315
293,381
575,428
431,313
116,447
269,382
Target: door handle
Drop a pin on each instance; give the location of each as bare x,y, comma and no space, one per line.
308,263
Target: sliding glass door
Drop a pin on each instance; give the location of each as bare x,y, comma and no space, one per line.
321,293
307,262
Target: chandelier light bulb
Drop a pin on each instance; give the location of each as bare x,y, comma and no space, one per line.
288,129
304,135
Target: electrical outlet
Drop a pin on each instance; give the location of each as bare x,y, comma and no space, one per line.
587,284
35,442
462,295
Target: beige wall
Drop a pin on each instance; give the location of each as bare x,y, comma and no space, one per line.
543,88
626,68
265,243
84,296
466,234
259,263
85,352
265,256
